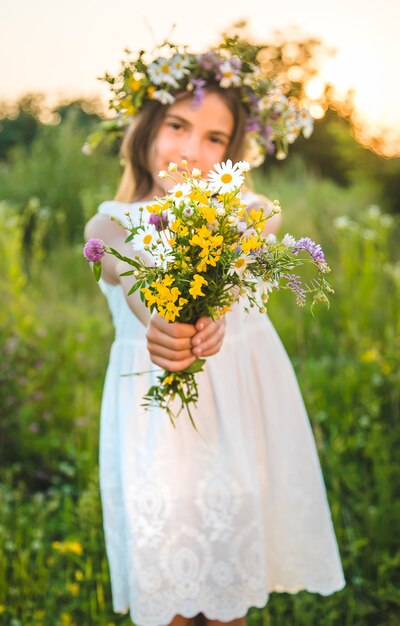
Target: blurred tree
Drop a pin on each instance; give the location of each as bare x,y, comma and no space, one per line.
85,112
337,149
19,122
291,57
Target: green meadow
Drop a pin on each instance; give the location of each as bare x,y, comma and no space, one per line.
55,336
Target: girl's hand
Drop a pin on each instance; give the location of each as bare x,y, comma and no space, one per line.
175,346
170,344
209,336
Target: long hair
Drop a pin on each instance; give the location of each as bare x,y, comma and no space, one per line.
137,182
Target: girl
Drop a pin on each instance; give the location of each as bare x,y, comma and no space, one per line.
204,525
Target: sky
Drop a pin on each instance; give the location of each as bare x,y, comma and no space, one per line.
60,47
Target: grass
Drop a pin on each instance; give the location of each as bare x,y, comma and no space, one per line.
56,331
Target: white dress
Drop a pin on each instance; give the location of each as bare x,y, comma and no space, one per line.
210,523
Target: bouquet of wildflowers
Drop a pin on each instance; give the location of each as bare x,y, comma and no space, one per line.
207,252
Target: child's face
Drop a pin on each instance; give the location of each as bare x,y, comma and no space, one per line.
200,136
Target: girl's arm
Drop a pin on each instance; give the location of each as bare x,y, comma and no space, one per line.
172,346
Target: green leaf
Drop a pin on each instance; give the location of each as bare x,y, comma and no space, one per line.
124,258
135,287
197,366
128,273
97,270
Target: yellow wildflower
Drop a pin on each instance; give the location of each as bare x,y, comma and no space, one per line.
199,195
150,91
135,84
168,280
204,238
208,257
174,226
66,620
259,218
38,614
73,588
168,379
208,212
196,285
73,546
222,311
127,106
250,243
149,295
67,546
370,356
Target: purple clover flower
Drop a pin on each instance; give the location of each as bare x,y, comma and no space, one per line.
159,221
315,251
94,250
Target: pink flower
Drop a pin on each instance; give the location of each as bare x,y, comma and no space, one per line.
94,250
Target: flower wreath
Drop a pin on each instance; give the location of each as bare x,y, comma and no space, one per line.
273,120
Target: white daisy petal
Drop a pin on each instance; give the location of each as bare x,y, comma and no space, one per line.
180,192
225,178
146,237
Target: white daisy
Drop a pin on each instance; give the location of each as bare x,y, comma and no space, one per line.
161,72
230,76
225,178
243,166
239,266
306,122
266,286
145,237
178,65
163,254
292,134
289,241
180,192
163,96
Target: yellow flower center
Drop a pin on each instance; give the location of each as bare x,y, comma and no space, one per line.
179,193
147,239
228,74
239,263
165,69
226,178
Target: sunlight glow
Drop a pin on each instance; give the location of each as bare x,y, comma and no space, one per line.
317,111
315,88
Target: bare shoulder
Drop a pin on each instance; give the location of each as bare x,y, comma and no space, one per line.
103,227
